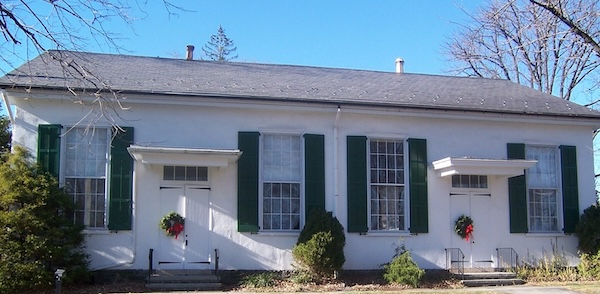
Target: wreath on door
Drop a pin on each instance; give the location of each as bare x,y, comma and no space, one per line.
172,224
464,227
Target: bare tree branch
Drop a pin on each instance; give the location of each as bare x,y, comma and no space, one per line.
560,13
524,43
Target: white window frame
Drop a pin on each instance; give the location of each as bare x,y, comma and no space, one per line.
63,170
162,176
470,188
301,183
406,218
558,189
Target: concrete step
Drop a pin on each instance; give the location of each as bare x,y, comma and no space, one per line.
488,275
492,282
184,286
183,280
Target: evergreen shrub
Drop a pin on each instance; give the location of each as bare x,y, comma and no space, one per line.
320,246
38,236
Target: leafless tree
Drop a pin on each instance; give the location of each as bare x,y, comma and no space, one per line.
580,16
30,27
525,43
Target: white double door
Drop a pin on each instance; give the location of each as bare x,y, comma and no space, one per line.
190,250
478,250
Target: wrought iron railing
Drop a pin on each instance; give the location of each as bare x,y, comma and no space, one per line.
507,258
150,262
455,261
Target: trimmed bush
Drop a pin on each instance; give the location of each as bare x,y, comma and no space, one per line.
320,246
403,270
588,230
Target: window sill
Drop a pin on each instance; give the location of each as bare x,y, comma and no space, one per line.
387,234
557,234
97,232
277,234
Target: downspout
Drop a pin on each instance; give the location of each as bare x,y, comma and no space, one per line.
7,104
335,160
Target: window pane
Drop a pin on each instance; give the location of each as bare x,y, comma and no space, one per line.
543,210
85,174
544,174
387,182
169,173
281,171
180,173
191,173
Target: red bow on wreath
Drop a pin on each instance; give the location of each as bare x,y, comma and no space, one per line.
469,231
176,229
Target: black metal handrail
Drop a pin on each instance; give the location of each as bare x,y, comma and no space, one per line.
216,261
507,258
150,262
455,261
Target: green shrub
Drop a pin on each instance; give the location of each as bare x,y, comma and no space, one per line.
261,280
403,270
320,246
589,266
38,236
588,230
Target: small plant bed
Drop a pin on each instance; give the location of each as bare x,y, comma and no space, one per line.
290,281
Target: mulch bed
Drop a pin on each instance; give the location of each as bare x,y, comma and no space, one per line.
231,280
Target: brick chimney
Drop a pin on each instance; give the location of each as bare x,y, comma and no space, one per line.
189,53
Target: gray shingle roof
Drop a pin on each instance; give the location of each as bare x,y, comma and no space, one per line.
135,74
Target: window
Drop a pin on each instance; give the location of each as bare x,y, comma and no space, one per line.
185,173
85,173
469,181
543,189
281,178
387,185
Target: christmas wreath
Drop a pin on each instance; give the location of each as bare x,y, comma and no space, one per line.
464,227
172,224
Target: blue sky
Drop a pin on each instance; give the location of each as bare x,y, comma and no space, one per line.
366,35
346,34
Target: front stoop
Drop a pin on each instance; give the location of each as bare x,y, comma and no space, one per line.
484,279
184,280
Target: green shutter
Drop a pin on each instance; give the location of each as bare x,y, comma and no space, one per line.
121,180
570,190
48,153
248,143
417,165
517,193
314,172
357,183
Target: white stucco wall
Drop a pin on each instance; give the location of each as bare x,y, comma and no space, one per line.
215,124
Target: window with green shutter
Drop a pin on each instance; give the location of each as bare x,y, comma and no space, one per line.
273,200
376,173
536,197
85,175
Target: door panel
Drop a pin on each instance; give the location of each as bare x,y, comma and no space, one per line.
191,249
478,250
171,251
197,252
